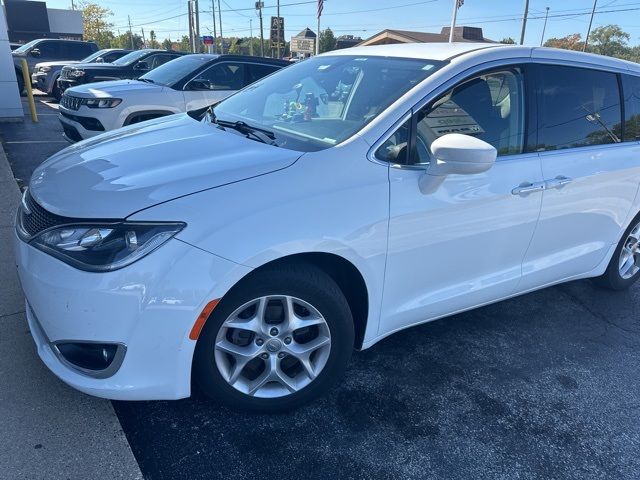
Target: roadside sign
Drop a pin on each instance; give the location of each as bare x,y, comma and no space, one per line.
207,40
277,32
303,45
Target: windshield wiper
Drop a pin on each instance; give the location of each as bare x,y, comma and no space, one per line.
260,134
146,80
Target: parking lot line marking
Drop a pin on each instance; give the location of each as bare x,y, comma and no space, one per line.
36,141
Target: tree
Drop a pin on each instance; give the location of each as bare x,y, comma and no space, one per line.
609,40
166,44
327,40
124,41
96,24
508,41
153,41
184,45
570,42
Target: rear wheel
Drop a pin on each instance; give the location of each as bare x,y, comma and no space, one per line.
624,267
277,341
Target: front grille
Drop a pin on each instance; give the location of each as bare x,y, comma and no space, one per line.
36,219
72,103
65,73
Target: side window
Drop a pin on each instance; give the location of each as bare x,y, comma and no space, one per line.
111,56
577,107
76,51
396,148
489,106
49,50
222,76
256,72
631,88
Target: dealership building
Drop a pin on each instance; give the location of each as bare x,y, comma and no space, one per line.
27,20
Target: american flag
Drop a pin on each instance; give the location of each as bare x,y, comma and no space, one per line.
460,3
321,6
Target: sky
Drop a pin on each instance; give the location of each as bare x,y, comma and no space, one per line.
498,18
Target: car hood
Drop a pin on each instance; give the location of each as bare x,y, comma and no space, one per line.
56,64
113,88
133,168
97,66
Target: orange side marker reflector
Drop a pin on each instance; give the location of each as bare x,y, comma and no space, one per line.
202,319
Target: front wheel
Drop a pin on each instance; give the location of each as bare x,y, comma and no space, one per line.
624,267
276,341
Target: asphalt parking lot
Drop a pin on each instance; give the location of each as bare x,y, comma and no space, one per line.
542,386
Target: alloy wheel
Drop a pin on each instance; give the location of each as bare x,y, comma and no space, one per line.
272,346
630,254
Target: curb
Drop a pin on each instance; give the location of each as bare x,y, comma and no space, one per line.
50,431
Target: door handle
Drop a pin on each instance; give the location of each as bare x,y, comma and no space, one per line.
528,187
558,182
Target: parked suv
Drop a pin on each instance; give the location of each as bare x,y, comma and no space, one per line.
187,83
47,50
45,75
323,208
130,66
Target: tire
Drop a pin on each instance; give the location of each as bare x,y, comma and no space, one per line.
55,92
306,286
621,275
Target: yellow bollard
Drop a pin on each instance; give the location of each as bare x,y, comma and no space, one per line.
27,85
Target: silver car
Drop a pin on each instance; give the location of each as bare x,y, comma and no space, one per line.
45,74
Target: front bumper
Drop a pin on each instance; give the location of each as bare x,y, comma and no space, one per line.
64,83
149,306
77,127
39,81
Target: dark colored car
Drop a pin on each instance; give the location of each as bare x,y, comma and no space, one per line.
49,50
129,67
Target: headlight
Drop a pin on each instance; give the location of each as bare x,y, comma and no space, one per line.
77,73
45,69
102,102
103,248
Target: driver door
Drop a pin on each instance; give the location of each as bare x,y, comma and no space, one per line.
214,84
462,245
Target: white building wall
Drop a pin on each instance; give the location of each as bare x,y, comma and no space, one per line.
65,21
10,104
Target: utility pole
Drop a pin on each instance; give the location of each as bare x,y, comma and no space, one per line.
197,27
586,40
130,32
73,5
524,21
278,31
220,22
251,37
259,6
215,35
190,15
545,26
144,40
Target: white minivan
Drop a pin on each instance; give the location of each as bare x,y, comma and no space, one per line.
323,208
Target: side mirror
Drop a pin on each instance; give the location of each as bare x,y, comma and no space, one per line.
142,65
35,52
99,60
456,154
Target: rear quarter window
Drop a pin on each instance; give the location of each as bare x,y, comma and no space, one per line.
631,89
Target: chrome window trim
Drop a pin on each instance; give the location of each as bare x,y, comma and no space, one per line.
439,90
507,62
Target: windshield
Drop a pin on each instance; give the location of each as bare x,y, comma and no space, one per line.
93,56
174,70
322,101
25,48
130,57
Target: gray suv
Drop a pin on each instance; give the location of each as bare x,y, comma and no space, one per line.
49,49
